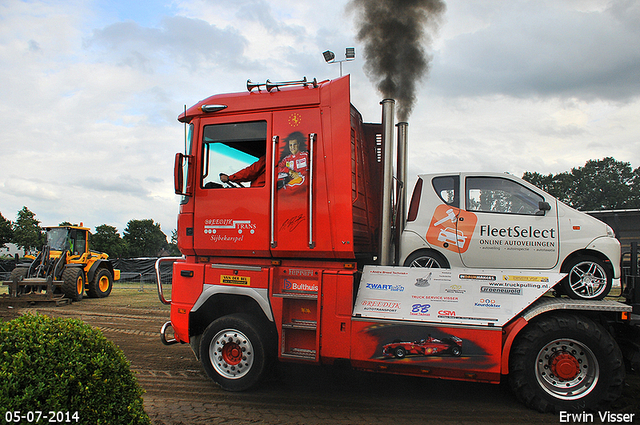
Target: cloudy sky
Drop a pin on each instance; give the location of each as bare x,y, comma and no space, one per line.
90,90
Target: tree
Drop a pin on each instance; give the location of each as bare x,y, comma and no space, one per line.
6,231
144,238
108,240
27,233
173,245
599,185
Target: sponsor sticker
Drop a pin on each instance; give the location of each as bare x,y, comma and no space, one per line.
380,306
453,289
526,278
385,287
477,277
500,290
299,287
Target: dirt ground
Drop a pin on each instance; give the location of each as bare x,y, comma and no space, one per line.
178,392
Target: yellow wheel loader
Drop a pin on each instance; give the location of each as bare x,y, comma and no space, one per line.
65,266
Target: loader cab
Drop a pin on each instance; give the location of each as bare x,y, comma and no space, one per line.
74,240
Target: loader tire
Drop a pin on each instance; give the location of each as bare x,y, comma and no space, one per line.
566,362
101,285
73,283
18,274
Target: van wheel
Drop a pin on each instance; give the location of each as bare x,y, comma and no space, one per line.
233,351
588,279
428,259
566,362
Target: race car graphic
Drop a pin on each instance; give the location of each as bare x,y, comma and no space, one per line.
424,347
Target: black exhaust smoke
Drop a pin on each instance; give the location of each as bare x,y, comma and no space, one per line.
395,34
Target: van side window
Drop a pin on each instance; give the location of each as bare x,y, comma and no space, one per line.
448,188
494,194
233,148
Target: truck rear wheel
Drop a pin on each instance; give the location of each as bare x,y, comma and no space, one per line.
566,362
73,283
101,285
233,351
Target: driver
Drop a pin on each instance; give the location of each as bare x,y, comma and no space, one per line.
254,174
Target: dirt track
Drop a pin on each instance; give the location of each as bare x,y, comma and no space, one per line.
178,392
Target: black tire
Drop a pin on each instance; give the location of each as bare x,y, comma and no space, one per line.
456,351
18,274
400,352
234,351
101,285
588,279
566,362
73,283
428,259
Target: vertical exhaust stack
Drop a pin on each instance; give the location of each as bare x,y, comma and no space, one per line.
401,191
386,246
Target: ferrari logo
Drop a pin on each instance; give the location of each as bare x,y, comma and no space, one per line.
295,120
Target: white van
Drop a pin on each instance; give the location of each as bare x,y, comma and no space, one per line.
492,220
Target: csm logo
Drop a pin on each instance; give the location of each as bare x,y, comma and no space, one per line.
446,313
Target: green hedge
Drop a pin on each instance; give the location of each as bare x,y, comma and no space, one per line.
49,364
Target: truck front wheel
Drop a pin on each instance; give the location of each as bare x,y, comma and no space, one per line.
233,351
566,362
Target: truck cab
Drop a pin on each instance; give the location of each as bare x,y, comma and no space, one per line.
312,191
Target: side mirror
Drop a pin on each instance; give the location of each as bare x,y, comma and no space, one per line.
543,207
181,180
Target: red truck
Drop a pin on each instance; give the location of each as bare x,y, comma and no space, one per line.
290,223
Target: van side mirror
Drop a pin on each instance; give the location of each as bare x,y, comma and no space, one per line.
543,207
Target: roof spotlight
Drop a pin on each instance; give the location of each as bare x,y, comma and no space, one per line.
329,56
349,55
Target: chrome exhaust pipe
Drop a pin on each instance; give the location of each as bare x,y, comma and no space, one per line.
401,170
386,247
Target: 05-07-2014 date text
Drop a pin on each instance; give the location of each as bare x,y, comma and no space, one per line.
37,416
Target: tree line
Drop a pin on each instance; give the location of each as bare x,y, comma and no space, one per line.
141,238
604,184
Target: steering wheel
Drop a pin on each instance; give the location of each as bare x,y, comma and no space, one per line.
229,183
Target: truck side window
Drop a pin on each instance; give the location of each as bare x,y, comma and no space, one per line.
447,188
494,194
236,150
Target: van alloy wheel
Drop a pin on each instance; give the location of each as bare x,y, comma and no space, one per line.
588,278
